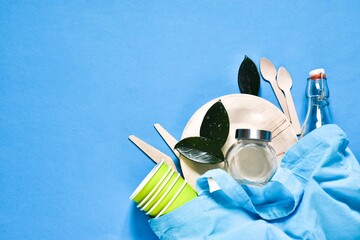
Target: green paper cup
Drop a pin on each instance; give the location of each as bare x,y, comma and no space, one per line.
163,190
155,189
179,194
149,182
164,198
185,194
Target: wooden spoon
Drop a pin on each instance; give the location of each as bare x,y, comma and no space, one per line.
268,71
285,83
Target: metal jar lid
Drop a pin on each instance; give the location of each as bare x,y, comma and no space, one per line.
253,134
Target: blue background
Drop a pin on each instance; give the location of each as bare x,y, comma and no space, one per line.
78,77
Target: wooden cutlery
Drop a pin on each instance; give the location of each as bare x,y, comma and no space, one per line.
285,83
281,83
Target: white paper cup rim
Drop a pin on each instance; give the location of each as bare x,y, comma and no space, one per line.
164,195
172,199
146,179
159,190
154,189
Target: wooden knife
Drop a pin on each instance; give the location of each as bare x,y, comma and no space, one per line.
152,152
168,138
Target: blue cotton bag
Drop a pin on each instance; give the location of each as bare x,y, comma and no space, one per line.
315,194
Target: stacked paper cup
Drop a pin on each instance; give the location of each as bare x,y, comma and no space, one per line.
162,191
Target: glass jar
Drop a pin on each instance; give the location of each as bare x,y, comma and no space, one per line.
251,160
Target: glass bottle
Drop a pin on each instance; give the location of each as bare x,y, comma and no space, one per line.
318,111
251,160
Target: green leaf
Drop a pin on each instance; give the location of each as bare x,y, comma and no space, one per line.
216,124
248,77
200,149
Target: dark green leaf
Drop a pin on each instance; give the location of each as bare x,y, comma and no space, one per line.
200,149
248,77
215,125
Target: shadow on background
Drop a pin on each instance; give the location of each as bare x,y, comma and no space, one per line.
140,228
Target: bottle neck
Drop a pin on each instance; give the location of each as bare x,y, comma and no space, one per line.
317,89
318,113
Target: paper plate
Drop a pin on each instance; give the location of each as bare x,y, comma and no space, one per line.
245,111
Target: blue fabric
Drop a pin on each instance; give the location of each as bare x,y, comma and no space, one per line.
315,194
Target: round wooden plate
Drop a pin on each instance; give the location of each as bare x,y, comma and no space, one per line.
245,111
